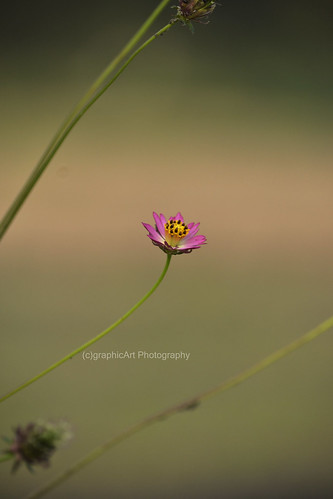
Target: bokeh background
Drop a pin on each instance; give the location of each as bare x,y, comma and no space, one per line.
233,127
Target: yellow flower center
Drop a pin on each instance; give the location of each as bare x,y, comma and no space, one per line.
175,230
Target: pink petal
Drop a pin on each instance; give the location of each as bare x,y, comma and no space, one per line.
153,234
193,230
179,216
155,240
148,227
159,225
163,220
198,240
193,242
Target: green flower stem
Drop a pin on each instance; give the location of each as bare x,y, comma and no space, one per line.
93,340
6,457
84,104
189,404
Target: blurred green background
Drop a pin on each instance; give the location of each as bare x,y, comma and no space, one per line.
233,127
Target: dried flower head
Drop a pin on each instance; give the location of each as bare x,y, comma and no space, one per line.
35,443
194,10
174,236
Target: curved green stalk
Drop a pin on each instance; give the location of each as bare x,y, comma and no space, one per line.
83,105
189,404
93,340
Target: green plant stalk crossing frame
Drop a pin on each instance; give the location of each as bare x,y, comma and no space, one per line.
94,92
93,340
189,404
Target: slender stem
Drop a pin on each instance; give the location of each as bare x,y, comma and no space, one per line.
6,457
83,105
188,404
98,94
93,340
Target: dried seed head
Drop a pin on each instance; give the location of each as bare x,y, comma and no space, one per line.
194,10
35,443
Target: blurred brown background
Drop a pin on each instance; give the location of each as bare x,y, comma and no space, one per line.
233,127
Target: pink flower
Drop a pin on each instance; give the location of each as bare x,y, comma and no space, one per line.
173,236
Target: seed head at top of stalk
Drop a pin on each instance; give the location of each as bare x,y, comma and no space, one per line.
194,10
